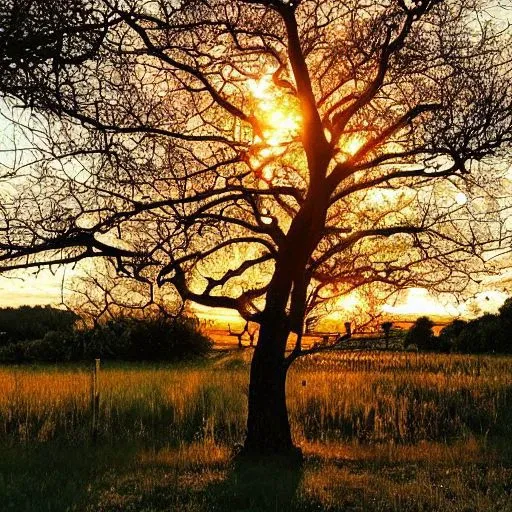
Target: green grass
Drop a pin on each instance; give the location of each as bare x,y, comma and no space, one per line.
380,431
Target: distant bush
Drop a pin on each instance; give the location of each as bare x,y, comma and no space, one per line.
33,323
128,339
486,334
148,340
13,353
421,334
504,341
449,336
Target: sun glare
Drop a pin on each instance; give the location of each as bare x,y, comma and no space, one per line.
350,302
347,303
276,111
461,198
353,145
419,301
259,88
349,147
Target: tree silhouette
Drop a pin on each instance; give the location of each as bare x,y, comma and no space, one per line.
386,328
98,294
31,323
262,156
421,334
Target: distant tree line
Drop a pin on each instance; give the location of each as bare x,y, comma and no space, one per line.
489,333
46,334
31,323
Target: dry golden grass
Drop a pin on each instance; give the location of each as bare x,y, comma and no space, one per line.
380,431
372,397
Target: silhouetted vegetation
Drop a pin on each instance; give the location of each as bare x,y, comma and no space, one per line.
32,323
252,155
488,333
421,334
386,328
128,339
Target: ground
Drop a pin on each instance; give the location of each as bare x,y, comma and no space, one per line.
380,432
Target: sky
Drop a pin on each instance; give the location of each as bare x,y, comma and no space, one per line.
45,287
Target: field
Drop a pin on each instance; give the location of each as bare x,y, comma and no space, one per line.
380,431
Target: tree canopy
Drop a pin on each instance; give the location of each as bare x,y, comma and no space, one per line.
260,155
204,123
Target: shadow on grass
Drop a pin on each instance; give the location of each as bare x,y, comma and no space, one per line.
55,477
214,487
257,486
199,477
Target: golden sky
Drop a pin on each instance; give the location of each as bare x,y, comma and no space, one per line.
46,288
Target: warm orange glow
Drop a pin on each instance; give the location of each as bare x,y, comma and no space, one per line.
386,197
347,303
259,88
349,147
276,111
267,174
353,145
418,301
350,301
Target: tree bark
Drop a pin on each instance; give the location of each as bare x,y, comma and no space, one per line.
268,427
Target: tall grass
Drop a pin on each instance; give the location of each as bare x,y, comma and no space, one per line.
363,397
374,427
400,397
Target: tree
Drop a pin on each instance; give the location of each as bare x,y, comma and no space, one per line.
482,334
98,295
421,334
449,335
31,323
263,155
386,327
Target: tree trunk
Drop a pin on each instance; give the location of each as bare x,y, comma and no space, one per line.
268,428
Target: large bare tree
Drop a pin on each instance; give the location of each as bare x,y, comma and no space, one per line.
263,156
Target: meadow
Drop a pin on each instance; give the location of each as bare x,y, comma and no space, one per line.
381,431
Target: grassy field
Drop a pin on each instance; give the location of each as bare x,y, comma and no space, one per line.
380,431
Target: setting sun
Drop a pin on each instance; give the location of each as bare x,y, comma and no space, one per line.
277,112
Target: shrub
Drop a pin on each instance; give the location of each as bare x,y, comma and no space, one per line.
12,353
158,339
55,346
484,334
448,337
421,334
504,342
31,323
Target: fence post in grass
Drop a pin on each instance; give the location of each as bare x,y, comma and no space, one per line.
95,398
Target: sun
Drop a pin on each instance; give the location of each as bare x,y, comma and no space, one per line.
277,112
